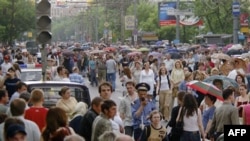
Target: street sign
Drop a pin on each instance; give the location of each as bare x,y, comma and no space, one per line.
236,8
106,24
129,22
172,11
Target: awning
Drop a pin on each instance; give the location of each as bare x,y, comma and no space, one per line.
150,38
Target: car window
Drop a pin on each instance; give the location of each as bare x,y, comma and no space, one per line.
31,76
51,94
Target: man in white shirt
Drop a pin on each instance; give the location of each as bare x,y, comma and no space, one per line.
125,107
105,91
169,63
17,108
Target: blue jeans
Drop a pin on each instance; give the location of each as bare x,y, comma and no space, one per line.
190,136
137,133
93,78
129,130
111,77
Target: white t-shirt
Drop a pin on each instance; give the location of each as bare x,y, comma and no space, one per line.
164,82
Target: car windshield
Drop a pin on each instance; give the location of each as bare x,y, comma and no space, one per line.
51,94
31,76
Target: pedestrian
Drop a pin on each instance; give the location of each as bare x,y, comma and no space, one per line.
174,114
89,117
111,71
56,125
164,92
67,102
80,110
141,109
154,131
125,107
37,99
226,114
102,122
17,109
105,93
147,76
14,129
191,116
76,77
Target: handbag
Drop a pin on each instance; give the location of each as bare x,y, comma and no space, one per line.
178,129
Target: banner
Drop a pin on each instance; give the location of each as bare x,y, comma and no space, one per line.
167,14
164,18
244,19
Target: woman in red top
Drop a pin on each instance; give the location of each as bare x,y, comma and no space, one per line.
243,99
37,112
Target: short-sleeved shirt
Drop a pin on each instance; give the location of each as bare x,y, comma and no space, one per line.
207,115
145,113
92,64
31,114
111,66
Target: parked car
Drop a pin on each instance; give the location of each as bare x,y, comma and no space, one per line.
31,75
51,91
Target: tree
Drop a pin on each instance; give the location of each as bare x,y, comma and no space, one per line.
18,16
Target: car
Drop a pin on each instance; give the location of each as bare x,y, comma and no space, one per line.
31,74
51,91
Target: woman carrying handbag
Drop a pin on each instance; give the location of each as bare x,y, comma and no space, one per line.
192,120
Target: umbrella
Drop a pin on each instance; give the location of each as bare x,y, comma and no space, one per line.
155,54
205,88
171,50
245,55
134,53
234,52
125,50
226,81
97,51
143,49
221,56
68,53
109,49
236,47
175,55
77,49
158,43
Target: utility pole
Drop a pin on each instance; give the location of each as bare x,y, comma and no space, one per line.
236,14
178,21
135,32
122,22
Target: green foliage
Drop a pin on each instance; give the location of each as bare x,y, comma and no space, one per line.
17,17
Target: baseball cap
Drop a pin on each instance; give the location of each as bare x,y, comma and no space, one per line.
12,130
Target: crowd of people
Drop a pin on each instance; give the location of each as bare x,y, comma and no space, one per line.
146,79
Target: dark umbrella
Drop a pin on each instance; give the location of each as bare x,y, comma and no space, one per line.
234,52
68,53
77,49
125,50
175,55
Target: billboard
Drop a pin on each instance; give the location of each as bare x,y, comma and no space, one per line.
167,14
164,18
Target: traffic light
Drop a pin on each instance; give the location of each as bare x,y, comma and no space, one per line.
43,21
